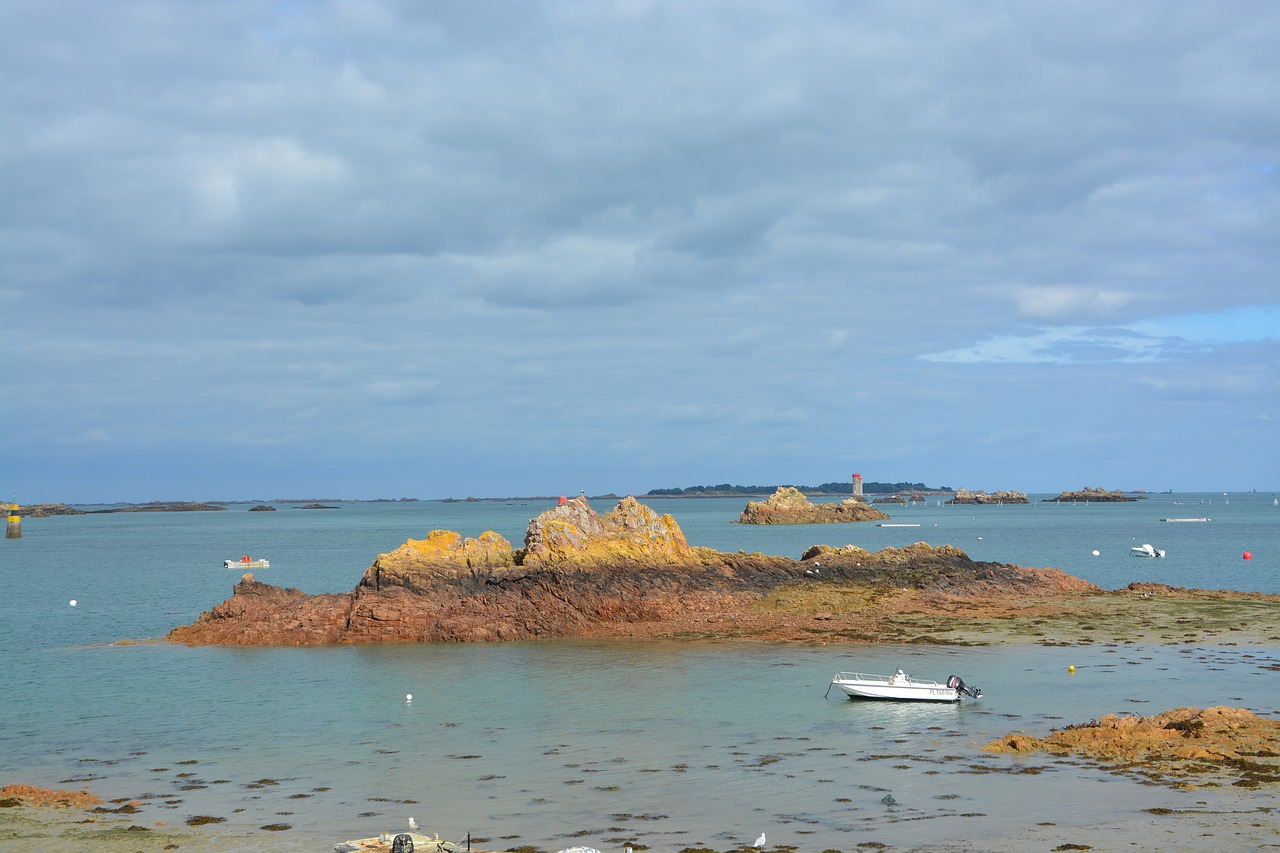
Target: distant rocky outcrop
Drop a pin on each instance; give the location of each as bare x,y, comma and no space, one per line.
1092,495
165,506
46,510
316,506
789,506
262,508
578,574
964,496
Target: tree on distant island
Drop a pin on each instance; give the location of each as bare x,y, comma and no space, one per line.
845,488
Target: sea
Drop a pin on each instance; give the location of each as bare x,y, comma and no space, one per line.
654,744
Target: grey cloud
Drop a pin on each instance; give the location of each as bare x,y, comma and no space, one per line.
722,216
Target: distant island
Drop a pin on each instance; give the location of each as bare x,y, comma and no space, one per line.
846,488
964,496
165,506
1092,495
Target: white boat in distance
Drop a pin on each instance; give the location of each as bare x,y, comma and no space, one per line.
1146,551
246,562
901,686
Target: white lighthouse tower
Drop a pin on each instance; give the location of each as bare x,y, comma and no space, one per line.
857,487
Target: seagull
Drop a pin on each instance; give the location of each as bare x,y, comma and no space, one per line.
759,841
413,824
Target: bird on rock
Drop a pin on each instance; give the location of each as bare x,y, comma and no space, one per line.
759,841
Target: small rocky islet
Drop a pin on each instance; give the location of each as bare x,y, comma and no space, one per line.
788,505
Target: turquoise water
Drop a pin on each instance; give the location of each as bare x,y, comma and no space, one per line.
559,743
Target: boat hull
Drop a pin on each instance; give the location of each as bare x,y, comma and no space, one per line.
900,694
894,689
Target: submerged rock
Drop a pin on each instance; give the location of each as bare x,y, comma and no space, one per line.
14,796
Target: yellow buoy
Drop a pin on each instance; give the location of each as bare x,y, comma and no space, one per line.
13,530
1071,669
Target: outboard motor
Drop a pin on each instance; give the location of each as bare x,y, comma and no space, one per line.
958,685
402,844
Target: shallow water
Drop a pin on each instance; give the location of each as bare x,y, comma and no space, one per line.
572,742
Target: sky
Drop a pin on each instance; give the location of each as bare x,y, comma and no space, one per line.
379,248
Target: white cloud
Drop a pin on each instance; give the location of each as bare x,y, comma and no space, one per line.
1058,303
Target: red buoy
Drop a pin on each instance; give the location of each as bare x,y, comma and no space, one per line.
563,500
1248,555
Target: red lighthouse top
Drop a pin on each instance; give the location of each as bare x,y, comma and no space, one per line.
857,476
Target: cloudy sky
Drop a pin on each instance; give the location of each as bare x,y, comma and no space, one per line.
383,248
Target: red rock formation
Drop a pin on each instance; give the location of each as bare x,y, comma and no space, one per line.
578,575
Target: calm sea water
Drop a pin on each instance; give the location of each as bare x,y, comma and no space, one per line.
568,742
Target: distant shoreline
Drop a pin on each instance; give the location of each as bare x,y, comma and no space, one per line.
54,508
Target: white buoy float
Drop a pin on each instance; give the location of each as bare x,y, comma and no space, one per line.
73,602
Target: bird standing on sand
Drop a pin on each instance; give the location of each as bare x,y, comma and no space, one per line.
413,824
759,841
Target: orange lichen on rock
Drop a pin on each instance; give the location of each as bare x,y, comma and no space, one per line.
446,549
1178,742
788,505
574,534
30,795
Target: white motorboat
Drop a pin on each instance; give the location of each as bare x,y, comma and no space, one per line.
901,686
246,562
1146,551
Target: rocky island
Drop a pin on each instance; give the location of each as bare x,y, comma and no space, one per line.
790,506
630,572
1092,495
47,510
966,497
164,506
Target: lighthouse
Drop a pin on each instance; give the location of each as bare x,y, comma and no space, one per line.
857,487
